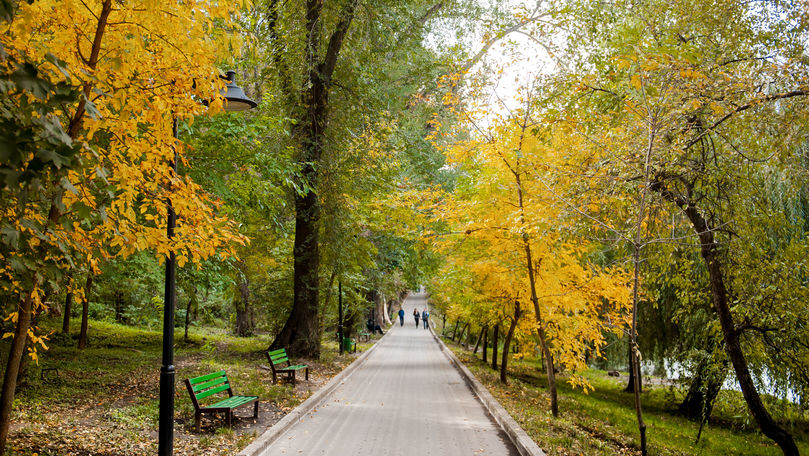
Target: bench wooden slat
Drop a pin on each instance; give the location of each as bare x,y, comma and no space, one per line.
213,391
233,401
206,385
278,359
282,351
202,378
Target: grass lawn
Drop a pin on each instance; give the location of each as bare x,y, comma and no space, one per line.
603,422
103,400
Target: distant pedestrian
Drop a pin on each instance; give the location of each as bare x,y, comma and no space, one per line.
416,316
401,317
424,316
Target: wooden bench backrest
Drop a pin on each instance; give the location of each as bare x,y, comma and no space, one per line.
278,356
208,385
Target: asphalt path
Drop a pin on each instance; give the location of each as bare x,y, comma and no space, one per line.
406,399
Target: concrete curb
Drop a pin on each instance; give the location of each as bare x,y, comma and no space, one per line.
525,444
270,435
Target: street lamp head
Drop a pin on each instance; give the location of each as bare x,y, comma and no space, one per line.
235,99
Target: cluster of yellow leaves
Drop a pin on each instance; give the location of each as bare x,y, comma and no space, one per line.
155,62
510,202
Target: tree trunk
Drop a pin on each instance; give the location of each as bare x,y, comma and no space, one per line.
455,330
13,366
630,385
85,311
531,269
386,311
245,320
66,316
188,309
709,249
327,301
468,340
494,346
507,343
485,344
548,358
300,335
477,342
379,306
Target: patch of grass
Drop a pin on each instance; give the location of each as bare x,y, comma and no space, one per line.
603,422
104,399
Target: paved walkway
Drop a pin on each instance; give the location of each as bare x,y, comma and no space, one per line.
407,399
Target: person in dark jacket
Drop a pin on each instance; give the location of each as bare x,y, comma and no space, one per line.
401,317
416,316
424,316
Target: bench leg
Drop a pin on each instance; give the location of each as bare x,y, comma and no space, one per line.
196,421
274,378
255,410
307,373
230,417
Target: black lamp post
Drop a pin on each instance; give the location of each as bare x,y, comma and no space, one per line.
235,100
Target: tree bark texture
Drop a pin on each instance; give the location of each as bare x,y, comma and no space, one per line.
85,311
709,250
300,335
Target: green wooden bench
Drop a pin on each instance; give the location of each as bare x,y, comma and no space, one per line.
276,358
207,385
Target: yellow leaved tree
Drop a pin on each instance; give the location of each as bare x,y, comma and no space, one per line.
514,241
134,69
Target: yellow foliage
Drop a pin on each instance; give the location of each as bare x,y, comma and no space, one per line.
510,205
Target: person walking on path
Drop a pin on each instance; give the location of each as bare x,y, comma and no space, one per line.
416,316
424,316
401,317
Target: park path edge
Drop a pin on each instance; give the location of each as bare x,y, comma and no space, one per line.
525,444
271,435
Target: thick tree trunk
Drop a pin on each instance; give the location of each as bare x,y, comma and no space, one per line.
494,346
66,316
709,249
455,330
13,366
507,343
85,311
386,311
300,335
379,306
245,320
